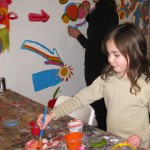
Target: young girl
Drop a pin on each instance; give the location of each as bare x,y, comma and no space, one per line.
124,84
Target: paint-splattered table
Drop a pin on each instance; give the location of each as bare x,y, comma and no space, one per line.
14,106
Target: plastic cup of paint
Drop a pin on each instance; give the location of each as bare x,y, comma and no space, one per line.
75,125
73,140
1,140
35,130
31,145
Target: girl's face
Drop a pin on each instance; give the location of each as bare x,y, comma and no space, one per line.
116,59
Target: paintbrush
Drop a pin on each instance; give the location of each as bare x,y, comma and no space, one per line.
42,131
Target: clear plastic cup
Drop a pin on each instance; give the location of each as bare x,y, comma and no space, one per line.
75,125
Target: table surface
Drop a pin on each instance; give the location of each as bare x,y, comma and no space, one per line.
16,106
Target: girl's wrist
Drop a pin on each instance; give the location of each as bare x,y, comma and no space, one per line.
52,115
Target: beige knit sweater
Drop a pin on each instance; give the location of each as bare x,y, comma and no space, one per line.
127,114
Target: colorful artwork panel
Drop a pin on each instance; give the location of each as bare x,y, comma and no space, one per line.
135,11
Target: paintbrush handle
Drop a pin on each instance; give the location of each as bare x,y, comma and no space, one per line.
43,121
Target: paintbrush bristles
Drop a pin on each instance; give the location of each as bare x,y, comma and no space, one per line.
40,144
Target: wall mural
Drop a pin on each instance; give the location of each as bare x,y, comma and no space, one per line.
135,11
63,1
51,77
74,12
39,17
4,24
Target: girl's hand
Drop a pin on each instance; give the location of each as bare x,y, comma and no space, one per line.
134,140
73,32
49,117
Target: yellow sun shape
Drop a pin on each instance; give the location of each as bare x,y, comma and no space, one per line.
65,72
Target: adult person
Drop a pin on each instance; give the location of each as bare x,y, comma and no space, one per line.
100,21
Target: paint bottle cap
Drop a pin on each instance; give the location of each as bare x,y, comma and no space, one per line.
10,122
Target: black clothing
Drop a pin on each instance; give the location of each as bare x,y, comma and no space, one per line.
101,20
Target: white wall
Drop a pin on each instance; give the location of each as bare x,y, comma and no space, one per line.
18,65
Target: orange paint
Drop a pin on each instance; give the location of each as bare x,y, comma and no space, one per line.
63,1
65,18
39,145
73,140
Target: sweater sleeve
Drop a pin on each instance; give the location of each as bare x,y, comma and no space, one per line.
67,107
145,133
84,97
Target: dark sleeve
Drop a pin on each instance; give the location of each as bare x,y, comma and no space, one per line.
101,22
95,32
82,40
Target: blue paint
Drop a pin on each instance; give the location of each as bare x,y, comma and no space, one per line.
45,79
75,27
10,122
42,48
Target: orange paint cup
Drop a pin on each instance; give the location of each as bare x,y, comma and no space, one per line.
73,140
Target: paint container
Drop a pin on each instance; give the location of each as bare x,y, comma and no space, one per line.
31,145
10,122
75,125
2,86
123,146
1,140
73,140
35,130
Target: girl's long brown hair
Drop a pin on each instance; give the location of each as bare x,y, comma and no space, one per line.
131,42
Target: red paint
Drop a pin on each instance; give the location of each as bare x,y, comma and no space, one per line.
39,17
12,16
85,2
35,130
71,11
51,103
